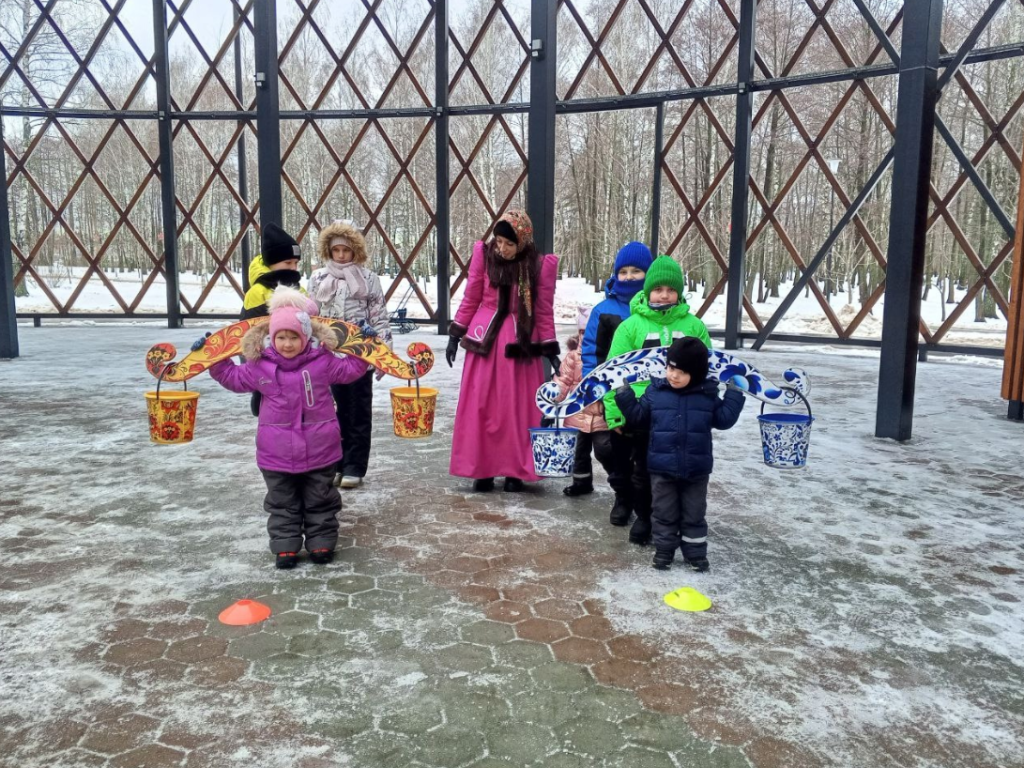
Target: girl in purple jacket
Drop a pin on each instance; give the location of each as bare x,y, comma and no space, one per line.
298,442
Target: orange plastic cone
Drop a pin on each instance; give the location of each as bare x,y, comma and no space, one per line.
244,612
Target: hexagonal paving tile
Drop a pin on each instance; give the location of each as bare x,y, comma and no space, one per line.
349,620
471,709
542,630
323,642
548,708
376,599
467,564
462,657
662,732
487,633
593,627
195,649
449,747
126,629
580,650
561,677
622,673
507,611
561,610
605,703
150,756
120,734
258,646
522,741
590,736
413,717
637,757
522,653
134,652
351,585
341,725
217,671
292,623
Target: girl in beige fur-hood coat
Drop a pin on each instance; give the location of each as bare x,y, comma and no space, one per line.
349,292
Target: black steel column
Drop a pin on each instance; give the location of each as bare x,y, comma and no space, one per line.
8,312
740,176
915,130
659,148
442,219
170,218
243,170
268,112
540,192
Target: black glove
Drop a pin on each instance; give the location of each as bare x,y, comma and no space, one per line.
451,350
198,343
556,364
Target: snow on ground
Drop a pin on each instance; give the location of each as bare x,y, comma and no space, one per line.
804,317
869,610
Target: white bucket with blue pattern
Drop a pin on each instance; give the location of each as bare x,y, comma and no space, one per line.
554,449
786,437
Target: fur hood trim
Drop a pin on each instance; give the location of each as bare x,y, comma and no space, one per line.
347,230
254,340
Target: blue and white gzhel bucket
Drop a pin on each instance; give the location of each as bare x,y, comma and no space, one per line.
786,437
554,449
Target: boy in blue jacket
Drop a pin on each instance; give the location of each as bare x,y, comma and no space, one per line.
614,450
680,411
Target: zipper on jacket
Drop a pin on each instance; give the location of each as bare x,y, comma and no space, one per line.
308,385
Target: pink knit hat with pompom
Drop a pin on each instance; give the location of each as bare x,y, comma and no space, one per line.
291,310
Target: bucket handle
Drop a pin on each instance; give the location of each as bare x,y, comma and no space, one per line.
799,394
160,380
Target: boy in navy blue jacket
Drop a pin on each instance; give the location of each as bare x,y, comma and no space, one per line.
680,411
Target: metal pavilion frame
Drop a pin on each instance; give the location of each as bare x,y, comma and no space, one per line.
922,67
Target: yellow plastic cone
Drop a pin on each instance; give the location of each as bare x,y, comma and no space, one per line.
687,599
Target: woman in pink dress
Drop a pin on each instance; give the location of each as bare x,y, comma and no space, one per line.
506,324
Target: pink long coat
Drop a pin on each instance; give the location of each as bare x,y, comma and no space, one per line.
497,399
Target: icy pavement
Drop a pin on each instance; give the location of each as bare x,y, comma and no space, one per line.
867,610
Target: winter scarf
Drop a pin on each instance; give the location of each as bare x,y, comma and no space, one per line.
351,274
521,272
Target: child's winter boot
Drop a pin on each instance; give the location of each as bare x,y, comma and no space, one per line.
483,485
286,560
621,512
581,486
663,559
513,485
698,564
321,556
640,532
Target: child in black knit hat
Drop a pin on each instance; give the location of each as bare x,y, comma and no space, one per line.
680,411
277,264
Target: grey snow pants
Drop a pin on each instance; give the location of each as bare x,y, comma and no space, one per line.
303,504
678,518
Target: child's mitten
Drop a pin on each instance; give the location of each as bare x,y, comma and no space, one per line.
198,343
367,330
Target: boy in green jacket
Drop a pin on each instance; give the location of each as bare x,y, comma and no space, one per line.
659,316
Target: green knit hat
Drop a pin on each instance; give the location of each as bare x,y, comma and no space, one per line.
664,271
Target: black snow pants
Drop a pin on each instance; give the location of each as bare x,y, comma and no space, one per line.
679,519
355,417
303,504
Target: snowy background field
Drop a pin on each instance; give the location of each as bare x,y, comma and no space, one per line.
804,317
